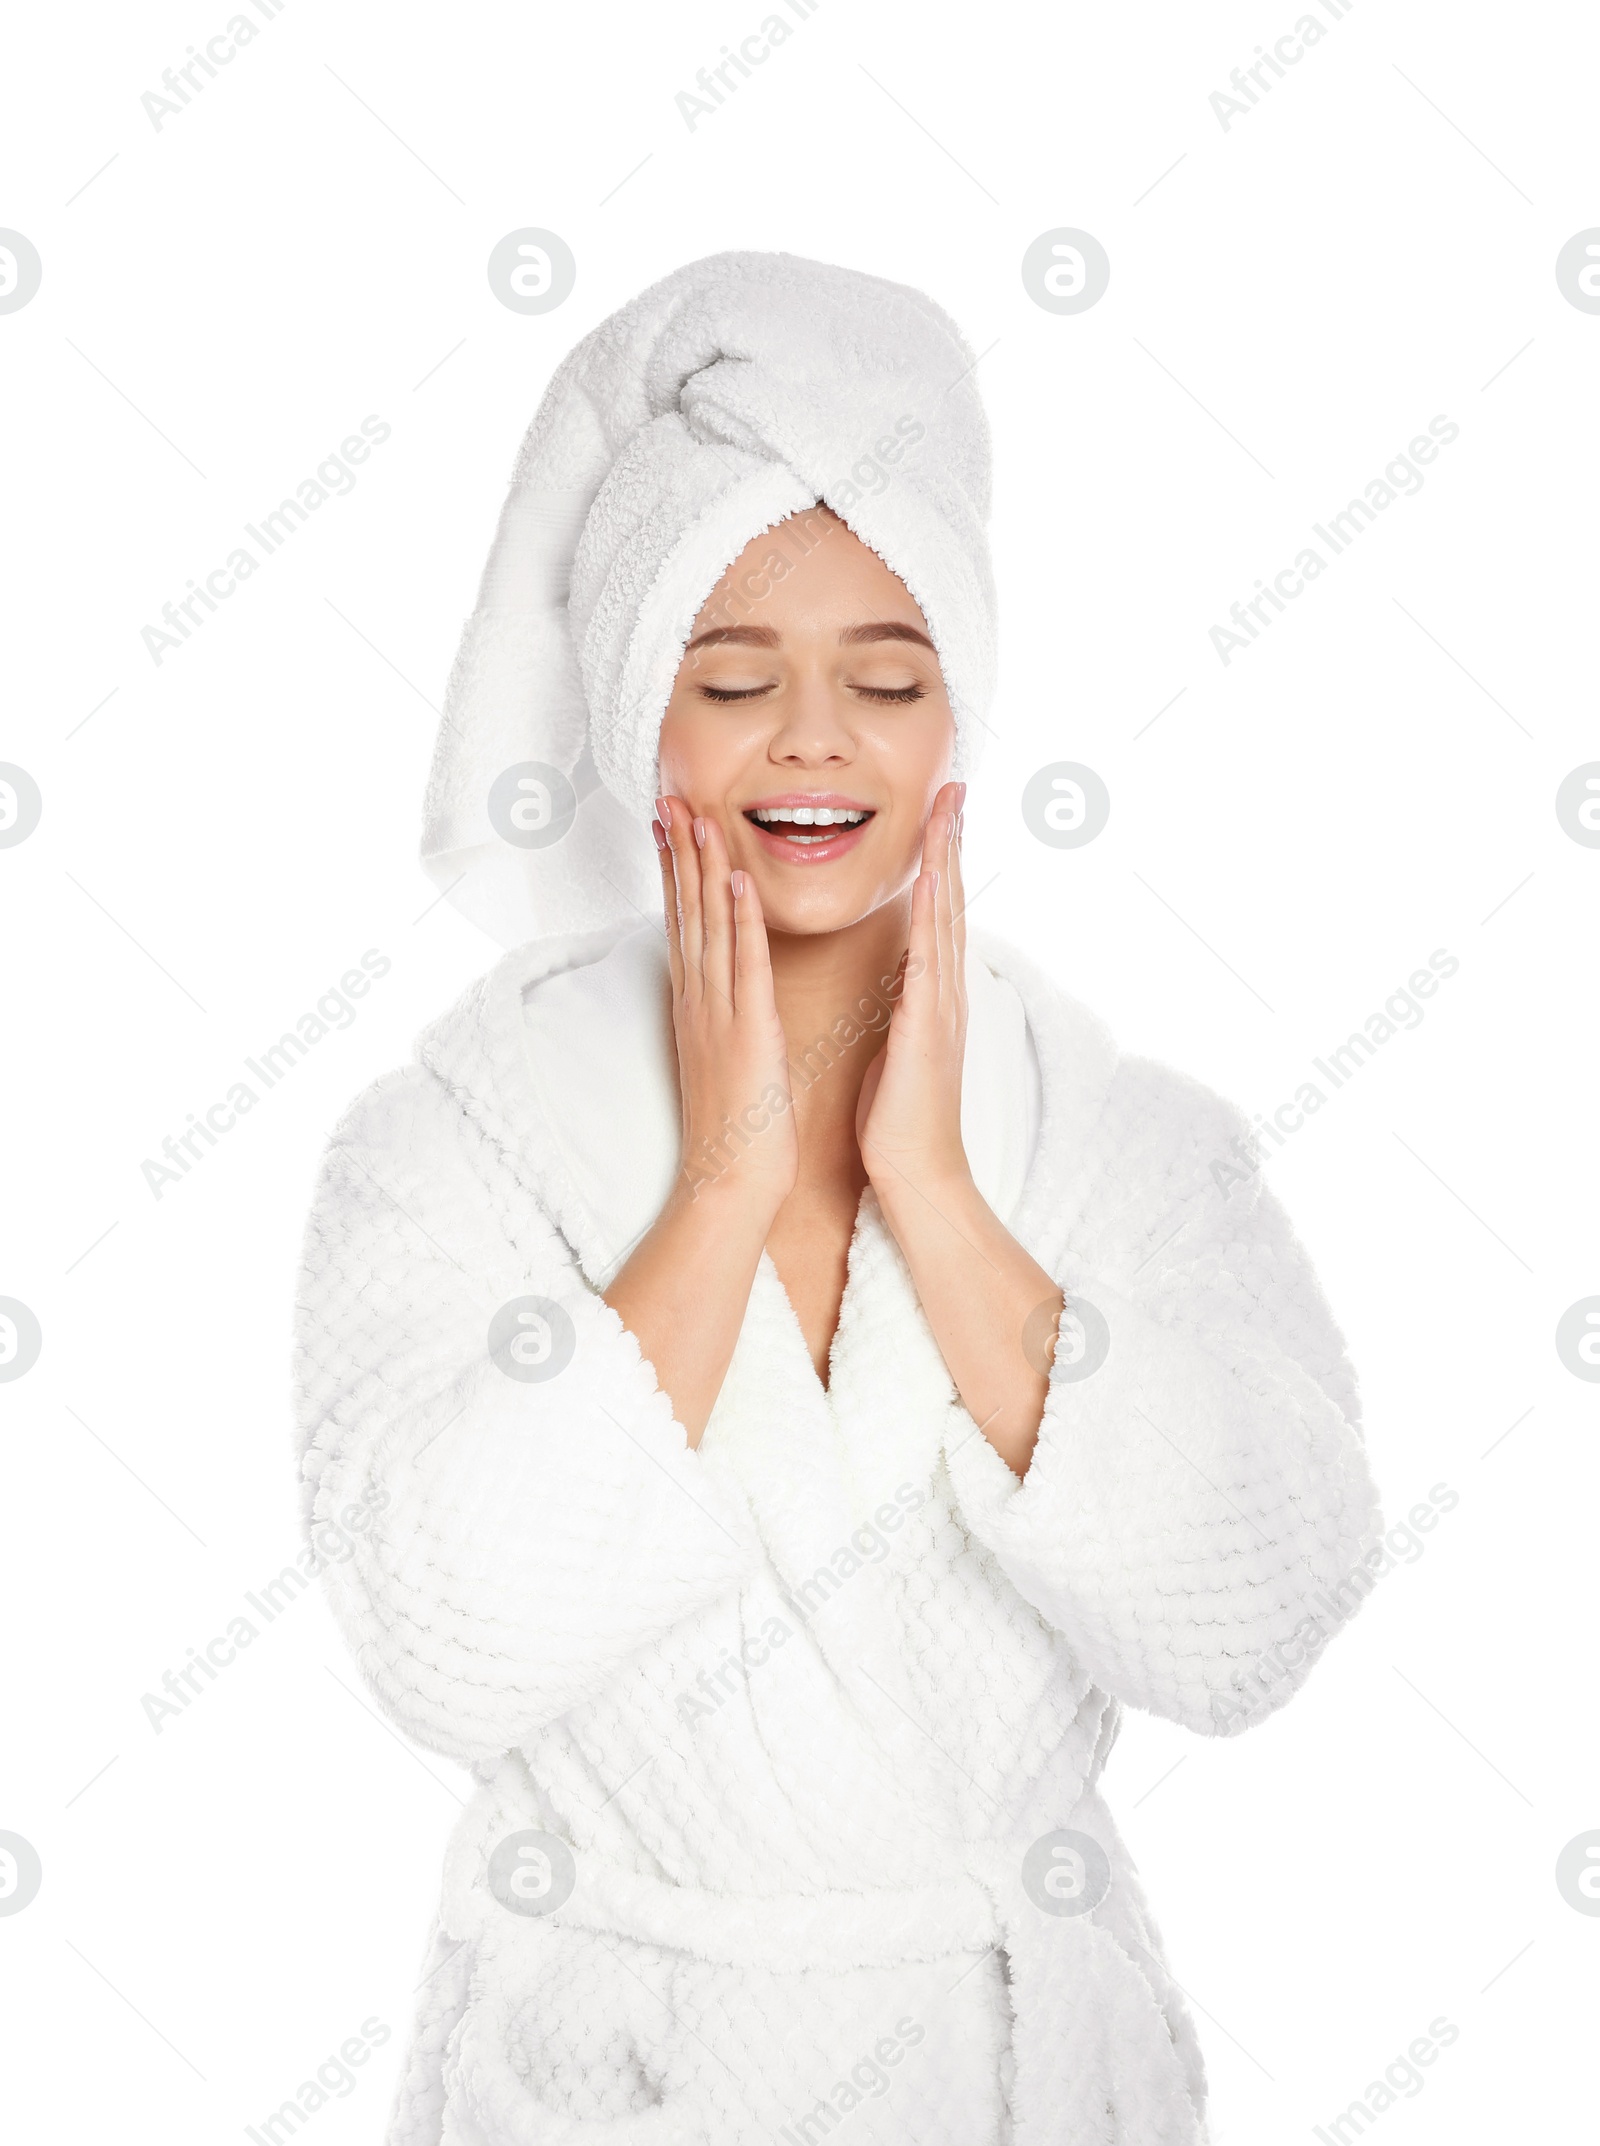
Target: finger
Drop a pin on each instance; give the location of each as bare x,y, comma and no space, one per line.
716,897
936,843
922,964
669,900
686,867
959,889
752,956
944,902
954,898
922,951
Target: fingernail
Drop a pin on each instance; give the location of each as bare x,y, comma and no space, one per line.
961,800
660,834
700,834
663,812
935,882
736,881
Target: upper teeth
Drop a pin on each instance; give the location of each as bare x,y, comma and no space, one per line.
811,815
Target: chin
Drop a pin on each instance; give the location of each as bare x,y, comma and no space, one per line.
808,912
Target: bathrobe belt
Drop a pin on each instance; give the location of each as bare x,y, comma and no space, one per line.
827,1931
1069,1978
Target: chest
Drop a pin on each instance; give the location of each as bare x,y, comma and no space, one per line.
809,1246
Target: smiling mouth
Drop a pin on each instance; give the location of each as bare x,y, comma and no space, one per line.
807,826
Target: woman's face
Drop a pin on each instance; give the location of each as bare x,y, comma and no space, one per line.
810,683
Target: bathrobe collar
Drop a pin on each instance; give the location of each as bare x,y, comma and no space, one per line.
583,1099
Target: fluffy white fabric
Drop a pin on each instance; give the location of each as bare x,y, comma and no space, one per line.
737,391
798,1906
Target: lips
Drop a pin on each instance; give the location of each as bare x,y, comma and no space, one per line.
809,827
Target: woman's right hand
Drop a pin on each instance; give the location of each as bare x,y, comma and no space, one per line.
739,1140
683,1289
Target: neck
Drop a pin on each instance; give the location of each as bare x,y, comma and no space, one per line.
835,991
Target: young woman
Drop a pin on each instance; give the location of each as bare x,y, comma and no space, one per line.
782,1379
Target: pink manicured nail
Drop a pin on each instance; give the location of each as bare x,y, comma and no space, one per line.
736,881
663,812
961,800
660,834
700,834
935,878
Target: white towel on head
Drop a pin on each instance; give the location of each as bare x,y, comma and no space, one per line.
738,391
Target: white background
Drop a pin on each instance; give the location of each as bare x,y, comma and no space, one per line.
1292,300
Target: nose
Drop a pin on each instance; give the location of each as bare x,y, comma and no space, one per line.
816,730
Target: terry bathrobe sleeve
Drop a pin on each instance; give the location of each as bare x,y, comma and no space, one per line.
495,1548
1198,1499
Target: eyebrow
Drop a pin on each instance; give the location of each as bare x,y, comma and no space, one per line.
743,636
849,636
887,629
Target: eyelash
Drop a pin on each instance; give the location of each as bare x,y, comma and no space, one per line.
901,695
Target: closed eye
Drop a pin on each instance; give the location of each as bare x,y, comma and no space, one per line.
899,694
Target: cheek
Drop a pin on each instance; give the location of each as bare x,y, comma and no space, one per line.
920,752
905,859
693,752
673,748
708,754
917,765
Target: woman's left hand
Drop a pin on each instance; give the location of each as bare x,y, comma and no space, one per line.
984,1296
908,1122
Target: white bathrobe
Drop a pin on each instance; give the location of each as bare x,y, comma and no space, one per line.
782,1716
